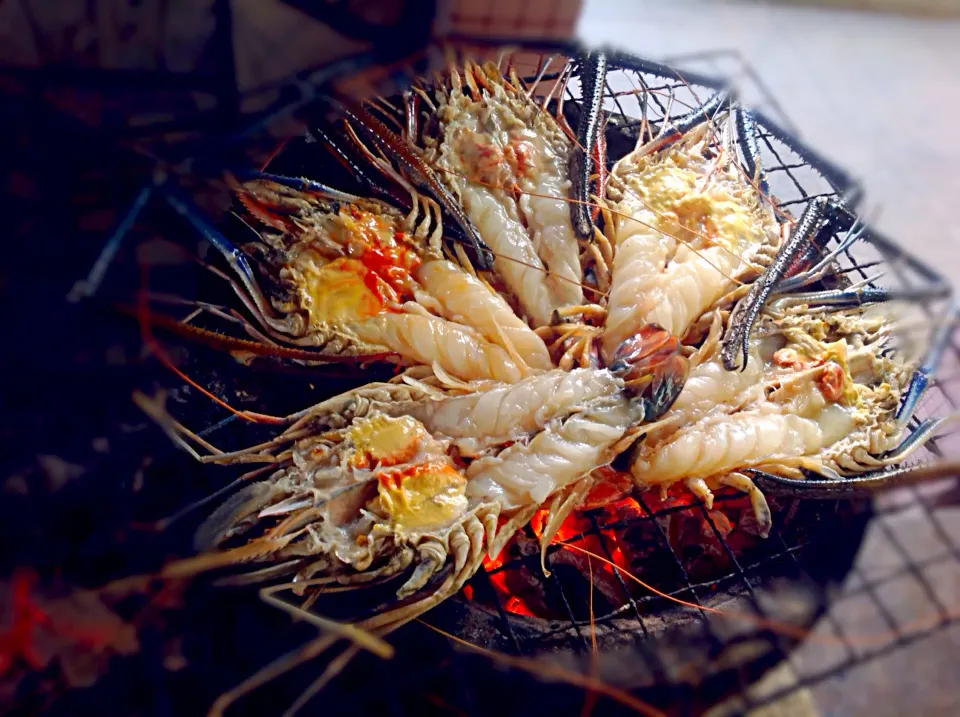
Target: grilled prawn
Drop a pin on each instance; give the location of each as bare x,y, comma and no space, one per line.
411,476
358,278
820,392
506,159
419,478
685,225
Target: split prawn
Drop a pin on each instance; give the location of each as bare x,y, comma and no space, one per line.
389,480
821,393
684,224
358,279
507,161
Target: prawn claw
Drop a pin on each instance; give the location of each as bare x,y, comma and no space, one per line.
734,347
928,367
587,156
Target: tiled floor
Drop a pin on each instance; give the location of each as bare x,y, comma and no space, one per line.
879,94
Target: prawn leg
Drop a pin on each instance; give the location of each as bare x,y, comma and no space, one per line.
322,135
258,499
422,173
301,184
858,295
587,156
820,269
758,502
278,667
750,150
86,288
924,432
378,626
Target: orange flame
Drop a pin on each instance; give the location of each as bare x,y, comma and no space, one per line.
520,590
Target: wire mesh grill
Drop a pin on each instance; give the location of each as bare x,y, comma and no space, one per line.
754,576
797,176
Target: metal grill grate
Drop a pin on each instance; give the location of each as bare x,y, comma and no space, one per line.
656,640
659,646
796,175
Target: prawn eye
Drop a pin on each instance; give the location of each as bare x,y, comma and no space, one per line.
652,367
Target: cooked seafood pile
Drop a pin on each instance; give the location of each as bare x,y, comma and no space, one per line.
548,321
